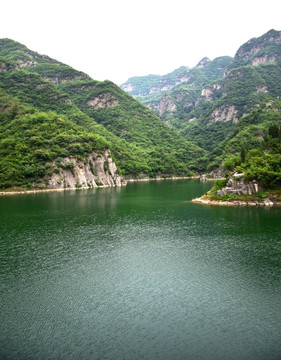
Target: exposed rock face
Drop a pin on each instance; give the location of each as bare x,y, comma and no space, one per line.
202,63
207,94
224,114
161,88
192,119
237,185
3,66
182,80
216,174
262,88
102,101
23,63
217,86
243,54
61,80
97,170
254,46
128,87
203,178
261,60
166,104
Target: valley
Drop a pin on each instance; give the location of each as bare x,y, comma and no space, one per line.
191,121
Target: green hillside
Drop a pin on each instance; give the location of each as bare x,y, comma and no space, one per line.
31,140
222,113
205,107
265,48
253,132
150,89
99,113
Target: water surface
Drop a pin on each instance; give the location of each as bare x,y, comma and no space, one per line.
138,273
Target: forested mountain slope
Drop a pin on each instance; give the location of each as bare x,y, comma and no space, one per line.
253,146
178,88
94,116
205,114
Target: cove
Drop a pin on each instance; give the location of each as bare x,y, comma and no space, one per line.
138,273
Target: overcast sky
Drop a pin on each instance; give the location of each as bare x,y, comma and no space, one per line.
118,39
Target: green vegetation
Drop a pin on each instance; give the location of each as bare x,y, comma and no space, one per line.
218,185
271,194
240,85
151,87
262,164
57,75
30,142
133,122
141,84
47,114
263,47
50,111
257,130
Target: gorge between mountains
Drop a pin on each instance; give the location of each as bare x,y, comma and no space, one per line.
101,260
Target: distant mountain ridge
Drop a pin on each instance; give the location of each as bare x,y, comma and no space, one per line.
59,128
146,87
216,94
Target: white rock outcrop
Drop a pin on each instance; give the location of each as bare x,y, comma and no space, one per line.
102,101
224,114
166,104
261,60
237,185
96,170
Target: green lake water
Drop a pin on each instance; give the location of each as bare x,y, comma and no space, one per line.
138,273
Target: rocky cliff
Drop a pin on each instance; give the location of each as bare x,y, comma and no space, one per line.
218,93
239,192
237,185
96,170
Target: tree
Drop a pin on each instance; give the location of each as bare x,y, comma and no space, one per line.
273,131
243,154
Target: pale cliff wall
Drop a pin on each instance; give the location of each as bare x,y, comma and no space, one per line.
96,170
238,185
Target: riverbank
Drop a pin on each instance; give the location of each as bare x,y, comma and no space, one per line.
266,202
35,191
158,178
236,191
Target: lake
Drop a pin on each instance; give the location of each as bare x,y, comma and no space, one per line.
138,272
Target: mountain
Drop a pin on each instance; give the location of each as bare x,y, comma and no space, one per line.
205,111
56,120
60,128
151,90
253,146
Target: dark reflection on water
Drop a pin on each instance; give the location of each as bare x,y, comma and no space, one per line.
138,273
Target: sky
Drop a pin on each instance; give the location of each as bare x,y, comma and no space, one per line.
117,39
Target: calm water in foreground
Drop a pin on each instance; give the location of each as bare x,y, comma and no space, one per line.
138,273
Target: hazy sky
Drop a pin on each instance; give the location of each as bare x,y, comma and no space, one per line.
117,39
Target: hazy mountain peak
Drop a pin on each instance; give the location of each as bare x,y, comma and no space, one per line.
260,49
203,62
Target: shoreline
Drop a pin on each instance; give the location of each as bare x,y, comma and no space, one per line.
236,203
162,178
35,191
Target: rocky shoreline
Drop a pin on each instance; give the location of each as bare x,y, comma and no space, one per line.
35,191
123,183
238,192
266,202
159,178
